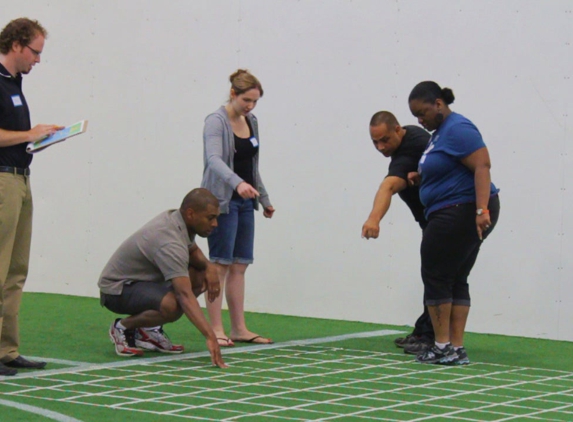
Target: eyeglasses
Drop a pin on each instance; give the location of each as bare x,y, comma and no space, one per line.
36,52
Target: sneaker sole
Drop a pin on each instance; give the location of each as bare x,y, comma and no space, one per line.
444,360
153,348
127,355
450,361
431,362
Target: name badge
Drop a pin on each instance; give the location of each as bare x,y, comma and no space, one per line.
254,141
428,149
17,100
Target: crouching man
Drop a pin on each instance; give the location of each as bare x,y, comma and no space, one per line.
156,276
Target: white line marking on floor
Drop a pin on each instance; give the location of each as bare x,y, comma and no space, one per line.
39,411
59,361
131,361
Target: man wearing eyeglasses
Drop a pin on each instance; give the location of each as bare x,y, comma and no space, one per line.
21,46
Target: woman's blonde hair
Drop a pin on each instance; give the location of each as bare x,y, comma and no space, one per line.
242,81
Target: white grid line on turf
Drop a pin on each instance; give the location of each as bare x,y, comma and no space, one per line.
298,377
302,406
370,393
132,361
104,393
274,379
59,361
311,375
458,394
502,403
135,363
318,362
215,377
39,411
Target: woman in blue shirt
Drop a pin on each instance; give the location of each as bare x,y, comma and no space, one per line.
461,206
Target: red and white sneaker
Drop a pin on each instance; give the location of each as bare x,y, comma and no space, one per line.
124,341
156,339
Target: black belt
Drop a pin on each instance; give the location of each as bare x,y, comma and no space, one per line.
14,170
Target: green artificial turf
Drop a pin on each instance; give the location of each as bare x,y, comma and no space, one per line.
355,380
75,328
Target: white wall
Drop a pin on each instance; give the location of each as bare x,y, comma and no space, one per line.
146,73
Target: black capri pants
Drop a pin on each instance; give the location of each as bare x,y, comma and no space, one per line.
450,246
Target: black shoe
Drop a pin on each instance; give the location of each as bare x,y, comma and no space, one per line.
21,362
411,339
417,348
5,371
402,341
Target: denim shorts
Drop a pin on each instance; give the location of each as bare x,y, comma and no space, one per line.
232,240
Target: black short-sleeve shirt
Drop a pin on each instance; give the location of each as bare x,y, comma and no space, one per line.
405,160
14,115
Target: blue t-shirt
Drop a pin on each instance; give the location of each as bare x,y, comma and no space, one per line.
445,180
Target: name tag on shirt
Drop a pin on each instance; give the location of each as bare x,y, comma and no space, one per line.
423,159
16,100
254,141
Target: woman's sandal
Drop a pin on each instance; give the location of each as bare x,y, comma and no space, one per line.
225,342
254,340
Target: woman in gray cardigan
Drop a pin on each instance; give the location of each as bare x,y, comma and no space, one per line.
231,173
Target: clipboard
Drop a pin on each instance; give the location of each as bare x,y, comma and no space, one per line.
59,136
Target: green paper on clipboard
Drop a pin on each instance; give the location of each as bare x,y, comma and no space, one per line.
59,136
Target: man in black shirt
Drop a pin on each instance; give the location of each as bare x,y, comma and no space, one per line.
404,145
21,44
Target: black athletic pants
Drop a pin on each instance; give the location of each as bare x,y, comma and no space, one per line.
449,249
423,326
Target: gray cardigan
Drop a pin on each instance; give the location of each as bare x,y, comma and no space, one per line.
218,153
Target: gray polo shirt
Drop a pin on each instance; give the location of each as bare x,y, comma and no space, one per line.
157,252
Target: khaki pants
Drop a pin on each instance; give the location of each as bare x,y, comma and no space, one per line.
15,238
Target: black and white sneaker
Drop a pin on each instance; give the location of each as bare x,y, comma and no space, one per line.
435,355
462,357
